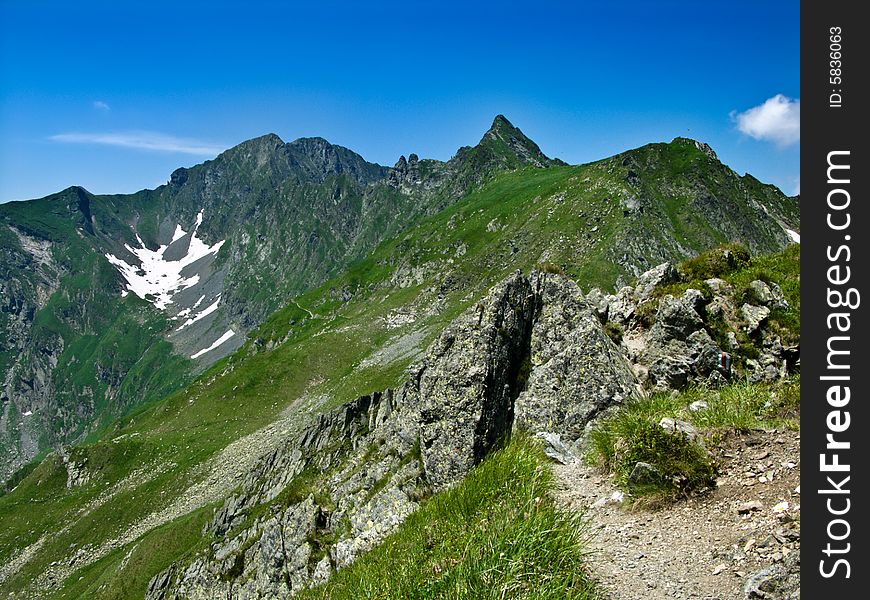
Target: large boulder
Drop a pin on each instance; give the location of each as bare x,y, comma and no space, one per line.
469,381
657,276
678,350
531,349
574,369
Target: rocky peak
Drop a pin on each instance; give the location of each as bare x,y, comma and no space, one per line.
320,159
311,158
405,172
502,128
702,146
505,139
268,143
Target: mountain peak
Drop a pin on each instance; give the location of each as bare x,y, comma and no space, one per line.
503,129
501,122
702,146
259,148
512,146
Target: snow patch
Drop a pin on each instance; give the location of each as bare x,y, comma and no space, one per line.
794,235
206,312
179,233
158,279
230,333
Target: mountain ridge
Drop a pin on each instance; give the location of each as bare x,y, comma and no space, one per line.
368,281
313,209
307,205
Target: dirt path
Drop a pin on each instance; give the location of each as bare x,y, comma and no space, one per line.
705,547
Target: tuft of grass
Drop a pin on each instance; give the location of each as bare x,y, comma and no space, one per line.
746,406
614,331
716,262
495,535
633,434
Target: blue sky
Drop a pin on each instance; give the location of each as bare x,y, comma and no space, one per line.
114,96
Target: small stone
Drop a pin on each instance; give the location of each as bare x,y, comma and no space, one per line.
781,507
676,426
642,475
698,405
754,316
555,448
719,568
748,507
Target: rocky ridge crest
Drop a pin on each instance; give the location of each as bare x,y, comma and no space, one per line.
535,354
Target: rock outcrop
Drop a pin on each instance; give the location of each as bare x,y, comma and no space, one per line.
574,370
695,338
532,355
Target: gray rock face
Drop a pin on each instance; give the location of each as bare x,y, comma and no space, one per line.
659,275
576,371
776,582
76,471
768,294
678,348
621,307
754,316
468,381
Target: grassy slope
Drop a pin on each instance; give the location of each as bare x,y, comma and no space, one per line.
634,435
515,222
495,535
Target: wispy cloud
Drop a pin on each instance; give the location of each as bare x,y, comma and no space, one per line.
143,140
100,105
778,120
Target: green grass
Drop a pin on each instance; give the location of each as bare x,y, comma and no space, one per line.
152,553
495,535
716,263
633,434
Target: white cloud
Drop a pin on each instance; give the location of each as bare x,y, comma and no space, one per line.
100,105
778,120
143,140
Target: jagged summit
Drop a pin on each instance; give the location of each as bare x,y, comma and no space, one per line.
702,146
267,142
502,128
513,146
